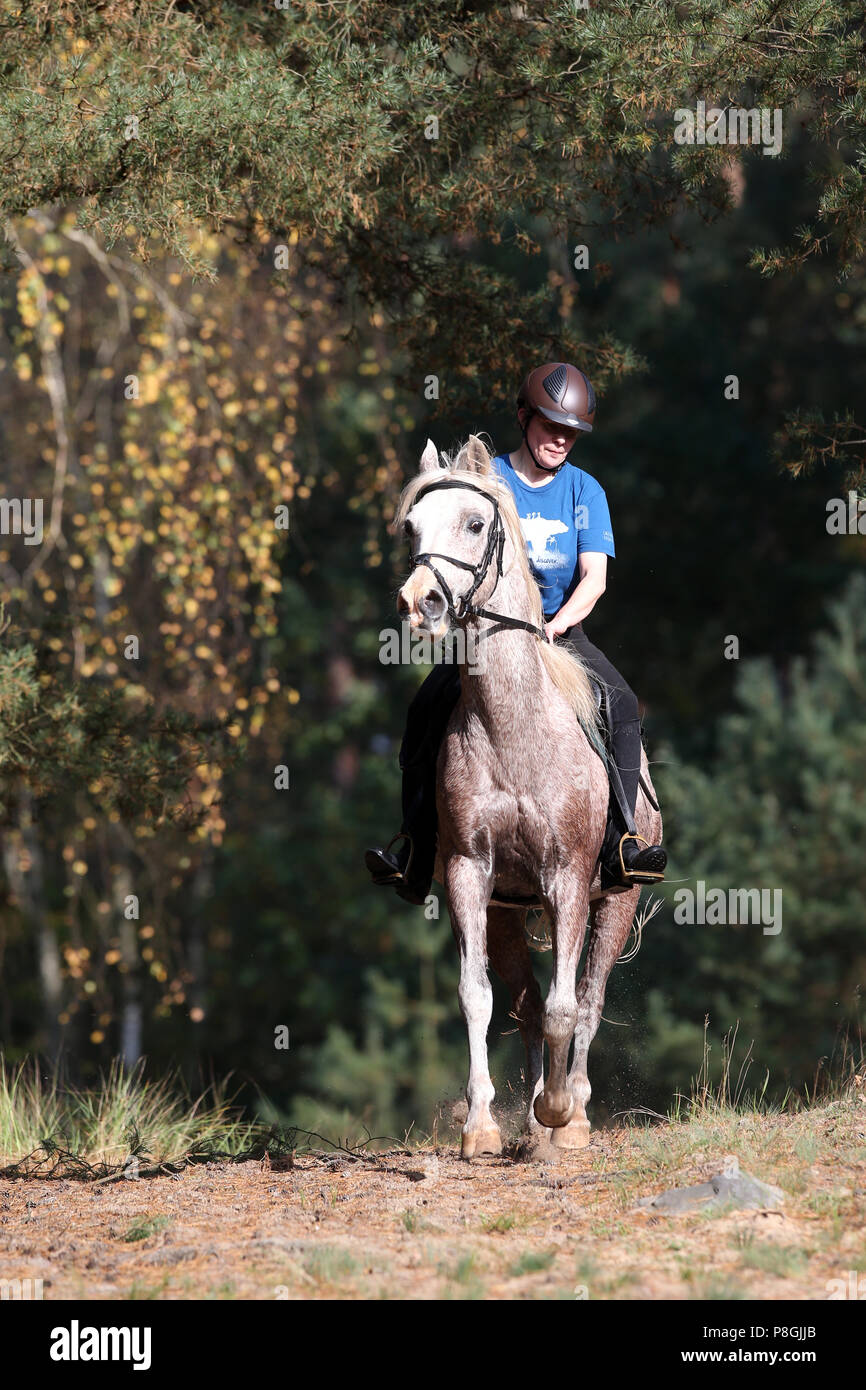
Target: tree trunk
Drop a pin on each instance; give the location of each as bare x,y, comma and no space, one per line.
25,871
130,1006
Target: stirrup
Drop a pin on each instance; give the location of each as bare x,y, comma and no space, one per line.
637,875
396,875
400,880
403,835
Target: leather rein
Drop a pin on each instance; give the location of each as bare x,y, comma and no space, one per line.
495,548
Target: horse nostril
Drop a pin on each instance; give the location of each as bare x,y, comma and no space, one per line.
433,601
402,605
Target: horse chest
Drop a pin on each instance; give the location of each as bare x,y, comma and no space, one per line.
515,825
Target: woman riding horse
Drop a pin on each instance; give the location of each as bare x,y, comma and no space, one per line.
566,523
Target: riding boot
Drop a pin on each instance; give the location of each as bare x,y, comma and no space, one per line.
623,863
409,869
393,869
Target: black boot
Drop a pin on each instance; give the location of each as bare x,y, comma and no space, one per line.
625,865
395,870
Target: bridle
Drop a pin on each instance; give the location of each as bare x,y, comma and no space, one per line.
495,547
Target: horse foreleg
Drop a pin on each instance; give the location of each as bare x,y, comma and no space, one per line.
610,922
467,885
508,952
555,1104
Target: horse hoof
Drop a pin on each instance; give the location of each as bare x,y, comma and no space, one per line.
550,1115
482,1141
574,1135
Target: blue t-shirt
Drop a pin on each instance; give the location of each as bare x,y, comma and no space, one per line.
560,519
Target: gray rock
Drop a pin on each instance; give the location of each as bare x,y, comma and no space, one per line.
729,1190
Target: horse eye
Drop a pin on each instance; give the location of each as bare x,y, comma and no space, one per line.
408,530
476,525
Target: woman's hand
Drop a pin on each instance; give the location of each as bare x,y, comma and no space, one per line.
556,627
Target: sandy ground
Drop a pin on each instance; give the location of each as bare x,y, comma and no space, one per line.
424,1225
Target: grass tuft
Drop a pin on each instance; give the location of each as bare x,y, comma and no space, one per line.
126,1126
532,1263
143,1230
498,1225
713,1099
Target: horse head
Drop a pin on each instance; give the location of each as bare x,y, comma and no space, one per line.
451,515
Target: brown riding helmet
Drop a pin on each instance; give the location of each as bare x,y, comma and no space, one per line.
561,393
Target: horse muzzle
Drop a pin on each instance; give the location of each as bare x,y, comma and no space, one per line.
422,603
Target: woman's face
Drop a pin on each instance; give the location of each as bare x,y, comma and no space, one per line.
549,442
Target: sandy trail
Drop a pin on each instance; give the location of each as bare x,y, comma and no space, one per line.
426,1225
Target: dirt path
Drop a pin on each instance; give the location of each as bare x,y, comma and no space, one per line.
426,1225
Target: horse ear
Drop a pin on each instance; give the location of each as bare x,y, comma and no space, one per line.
477,456
429,458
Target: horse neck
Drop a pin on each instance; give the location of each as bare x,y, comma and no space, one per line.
512,675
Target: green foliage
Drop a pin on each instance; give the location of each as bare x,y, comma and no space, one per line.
316,119
304,128
781,806
808,439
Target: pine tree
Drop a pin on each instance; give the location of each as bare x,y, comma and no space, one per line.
781,807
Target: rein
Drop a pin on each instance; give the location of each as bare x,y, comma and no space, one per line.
495,547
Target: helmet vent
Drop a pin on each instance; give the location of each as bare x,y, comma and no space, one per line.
590,394
554,384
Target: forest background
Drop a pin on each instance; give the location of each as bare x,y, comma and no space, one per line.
254,256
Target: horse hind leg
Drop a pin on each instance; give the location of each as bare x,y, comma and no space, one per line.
610,922
509,954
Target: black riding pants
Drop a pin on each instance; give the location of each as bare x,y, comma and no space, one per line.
427,720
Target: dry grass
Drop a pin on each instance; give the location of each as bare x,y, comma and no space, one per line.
50,1128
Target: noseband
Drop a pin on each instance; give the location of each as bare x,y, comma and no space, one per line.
495,547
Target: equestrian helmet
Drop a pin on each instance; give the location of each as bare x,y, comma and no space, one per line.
561,393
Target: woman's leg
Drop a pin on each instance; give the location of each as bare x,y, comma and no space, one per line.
623,713
624,860
426,721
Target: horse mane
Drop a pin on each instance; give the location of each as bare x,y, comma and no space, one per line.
565,668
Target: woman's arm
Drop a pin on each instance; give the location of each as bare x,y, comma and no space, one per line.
592,568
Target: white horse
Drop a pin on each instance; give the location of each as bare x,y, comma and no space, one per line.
522,795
